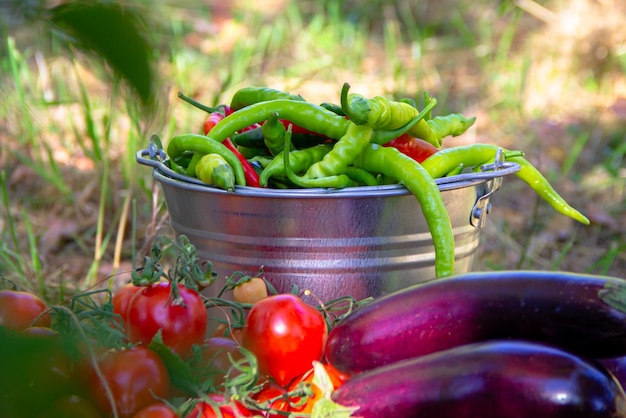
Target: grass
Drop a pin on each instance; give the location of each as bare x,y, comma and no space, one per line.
78,210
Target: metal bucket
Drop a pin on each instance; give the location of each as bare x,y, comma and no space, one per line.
359,241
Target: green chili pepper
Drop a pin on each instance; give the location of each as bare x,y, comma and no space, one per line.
273,134
344,152
336,181
299,160
446,160
382,113
361,177
214,170
393,163
250,95
251,138
453,124
530,175
201,145
304,114
335,108
385,136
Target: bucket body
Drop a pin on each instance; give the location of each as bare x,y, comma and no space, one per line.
359,241
360,244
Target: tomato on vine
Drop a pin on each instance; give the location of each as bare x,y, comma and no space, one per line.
137,377
250,291
20,310
156,410
181,319
286,335
121,300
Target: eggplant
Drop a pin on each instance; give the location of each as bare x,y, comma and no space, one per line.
495,379
616,366
557,308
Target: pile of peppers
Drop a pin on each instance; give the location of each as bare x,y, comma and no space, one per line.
270,138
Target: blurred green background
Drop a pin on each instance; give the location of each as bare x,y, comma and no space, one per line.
546,77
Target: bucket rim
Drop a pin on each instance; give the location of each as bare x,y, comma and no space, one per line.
165,175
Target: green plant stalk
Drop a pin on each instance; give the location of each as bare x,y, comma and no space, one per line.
574,153
27,120
34,255
18,258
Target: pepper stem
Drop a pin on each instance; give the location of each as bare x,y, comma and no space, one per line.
208,109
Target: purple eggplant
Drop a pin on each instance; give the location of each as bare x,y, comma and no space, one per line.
557,308
616,366
496,379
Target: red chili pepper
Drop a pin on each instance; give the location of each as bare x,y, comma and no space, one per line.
252,177
211,120
415,148
295,129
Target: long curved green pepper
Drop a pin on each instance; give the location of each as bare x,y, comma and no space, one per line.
453,124
530,175
337,181
201,145
273,134
251,95
448,159
383,136
393,163
307,115
299,160
361,177
344,152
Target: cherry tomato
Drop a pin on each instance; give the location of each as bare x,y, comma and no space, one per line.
227,409
19,310
70,406
286,335
251,291
415,148
182,323
137,377
156,410
121,300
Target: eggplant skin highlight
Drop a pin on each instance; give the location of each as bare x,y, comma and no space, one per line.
512,379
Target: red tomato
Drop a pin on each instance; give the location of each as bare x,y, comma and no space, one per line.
227,409
273,392
286,335
70,406
20,310
415,148
137,378
182,324
121,299
156,410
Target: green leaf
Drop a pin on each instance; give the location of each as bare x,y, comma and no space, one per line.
115,33
180,371
614,294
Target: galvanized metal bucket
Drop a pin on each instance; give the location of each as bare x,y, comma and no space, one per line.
358,241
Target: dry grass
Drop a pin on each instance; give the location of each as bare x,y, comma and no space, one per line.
559,85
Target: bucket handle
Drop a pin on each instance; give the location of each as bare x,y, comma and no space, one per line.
499,167
157,158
